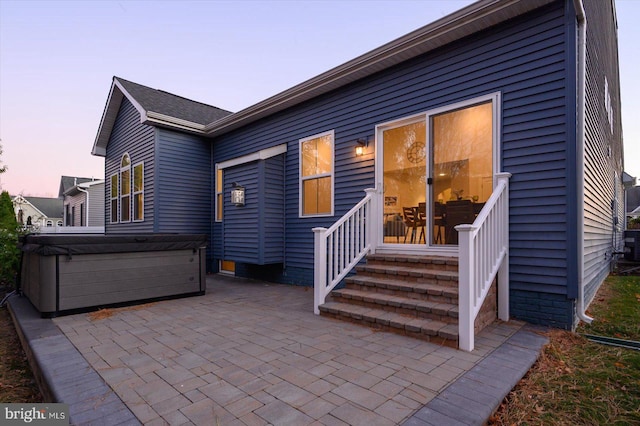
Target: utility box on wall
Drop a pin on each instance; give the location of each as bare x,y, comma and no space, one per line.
254,231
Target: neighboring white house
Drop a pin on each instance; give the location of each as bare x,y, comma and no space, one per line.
84,204
38,212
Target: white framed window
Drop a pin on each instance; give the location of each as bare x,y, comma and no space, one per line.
49,223
114,195
125,188
59,223
138,192
316,175
219,194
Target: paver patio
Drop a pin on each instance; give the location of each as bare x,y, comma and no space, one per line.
251,353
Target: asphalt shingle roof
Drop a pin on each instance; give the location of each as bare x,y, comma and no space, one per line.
172,105
51,207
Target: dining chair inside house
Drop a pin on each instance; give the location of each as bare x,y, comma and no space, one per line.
411,220
439,223
421,215
457,213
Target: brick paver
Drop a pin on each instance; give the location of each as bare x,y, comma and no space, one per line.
253,353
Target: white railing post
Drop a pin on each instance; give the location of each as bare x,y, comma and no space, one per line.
466,286
503,272
372,218
319,268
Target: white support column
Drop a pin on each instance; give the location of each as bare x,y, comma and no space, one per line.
466,287
319,268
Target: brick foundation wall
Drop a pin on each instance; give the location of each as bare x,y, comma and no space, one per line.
489,310
554,310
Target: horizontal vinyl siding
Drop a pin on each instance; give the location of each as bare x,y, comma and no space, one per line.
241,224
136,139
96,205
184,184
523,59
603,149
74,203
272,224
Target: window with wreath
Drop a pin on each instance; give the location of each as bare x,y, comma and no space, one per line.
316,175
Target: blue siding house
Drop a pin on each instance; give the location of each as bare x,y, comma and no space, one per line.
505,112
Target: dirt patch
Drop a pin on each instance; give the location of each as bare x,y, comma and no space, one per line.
17,384
105,313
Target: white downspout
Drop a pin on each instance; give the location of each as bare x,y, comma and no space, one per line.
86,210
582,64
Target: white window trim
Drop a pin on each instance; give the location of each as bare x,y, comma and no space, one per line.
134,193
117,198
217,193
330,174
123,169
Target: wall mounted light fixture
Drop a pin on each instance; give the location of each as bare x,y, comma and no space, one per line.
237,195
362,143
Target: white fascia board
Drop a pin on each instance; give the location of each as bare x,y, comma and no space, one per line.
256,156
172,122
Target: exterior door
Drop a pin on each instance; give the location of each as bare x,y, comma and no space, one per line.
434,172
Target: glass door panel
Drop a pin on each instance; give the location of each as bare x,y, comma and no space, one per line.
404,183
462,146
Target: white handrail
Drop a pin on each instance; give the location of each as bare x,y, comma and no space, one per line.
483,254
338,249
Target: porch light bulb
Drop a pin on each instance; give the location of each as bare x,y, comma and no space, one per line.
359,150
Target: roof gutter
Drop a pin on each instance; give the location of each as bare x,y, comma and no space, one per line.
582,64
158,119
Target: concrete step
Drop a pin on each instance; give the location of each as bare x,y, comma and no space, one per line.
421,328
444,312
398,287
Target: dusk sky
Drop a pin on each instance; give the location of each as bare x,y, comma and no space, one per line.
57,60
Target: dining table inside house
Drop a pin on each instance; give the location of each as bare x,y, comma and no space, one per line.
446,216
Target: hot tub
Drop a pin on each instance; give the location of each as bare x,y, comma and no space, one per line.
69,273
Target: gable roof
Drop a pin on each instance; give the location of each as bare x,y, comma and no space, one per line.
68,182
474,18
156,108
50,207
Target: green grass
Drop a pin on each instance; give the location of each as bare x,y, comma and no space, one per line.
583,383
620,316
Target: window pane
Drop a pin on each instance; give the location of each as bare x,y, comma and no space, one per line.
125,182
138,207
137,178
219,180
316,196
114,186
324,195
309,154
324,159
114,211
125,208
310,196
317,156
219,207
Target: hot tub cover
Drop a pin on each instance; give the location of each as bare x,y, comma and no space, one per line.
54,244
